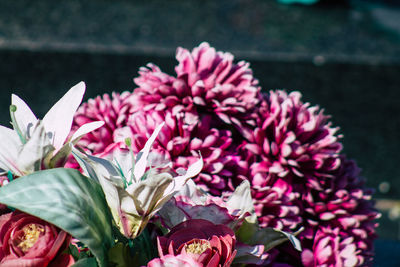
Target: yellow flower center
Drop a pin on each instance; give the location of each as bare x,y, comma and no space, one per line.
197,247
31,234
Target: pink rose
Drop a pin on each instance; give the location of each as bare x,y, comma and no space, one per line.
181,260
209,244
29,241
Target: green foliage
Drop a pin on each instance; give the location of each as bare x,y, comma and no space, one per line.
249,233
133,252
85,262
120,256
256,241
79,255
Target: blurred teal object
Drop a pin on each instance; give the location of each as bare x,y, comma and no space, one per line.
304,2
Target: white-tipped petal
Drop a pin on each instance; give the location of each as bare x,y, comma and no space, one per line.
241,199
9,147
23,115
148,192
141,159
86,128
34,151
180,181
58,119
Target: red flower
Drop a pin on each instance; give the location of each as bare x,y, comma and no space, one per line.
181,260
207,243
29,241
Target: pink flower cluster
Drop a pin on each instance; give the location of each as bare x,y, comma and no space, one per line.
288,150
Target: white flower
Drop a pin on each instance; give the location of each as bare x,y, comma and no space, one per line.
34,144
133,194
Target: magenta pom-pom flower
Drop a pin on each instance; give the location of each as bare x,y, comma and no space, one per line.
287,149
113,110
206,80
292,150
345,217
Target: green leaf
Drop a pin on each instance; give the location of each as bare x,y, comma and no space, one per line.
255,241
250,234
86,262
120,256
73,250
133,253
273,237
67,199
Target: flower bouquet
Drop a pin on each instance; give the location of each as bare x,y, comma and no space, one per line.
197,169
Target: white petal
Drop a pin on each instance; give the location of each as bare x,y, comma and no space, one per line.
23,115
33,152
122,159
58,119
9,146
86,128
180,181
292,238
95,168
148,193
241,199
194,192
177,184
141,159
112,198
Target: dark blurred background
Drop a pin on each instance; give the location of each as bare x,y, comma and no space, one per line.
342,55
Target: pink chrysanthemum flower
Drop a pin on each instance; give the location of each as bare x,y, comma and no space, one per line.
343,213
112,110
292,148
331,250
293,141
275,207
207,81
217,83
